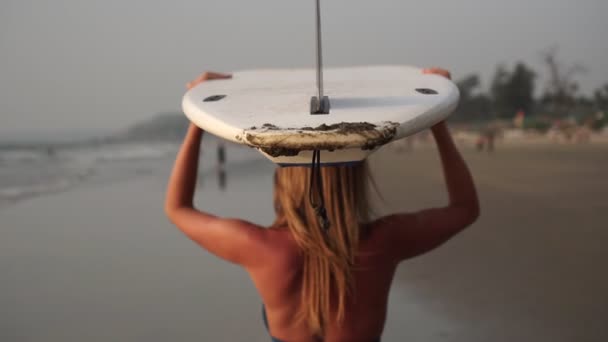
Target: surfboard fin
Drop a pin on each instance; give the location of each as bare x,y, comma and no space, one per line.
319,107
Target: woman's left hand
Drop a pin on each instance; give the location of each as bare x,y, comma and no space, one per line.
207,76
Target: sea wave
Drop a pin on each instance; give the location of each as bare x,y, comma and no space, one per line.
21,192
118,152
24,156
30,172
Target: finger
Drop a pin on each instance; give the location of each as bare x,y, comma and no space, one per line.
217,76
437,71
207,76
432,70
201,78
193,84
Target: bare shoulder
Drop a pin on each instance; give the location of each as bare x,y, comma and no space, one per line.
281,242
392,232
234,240
408,235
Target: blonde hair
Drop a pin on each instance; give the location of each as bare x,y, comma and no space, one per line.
328,254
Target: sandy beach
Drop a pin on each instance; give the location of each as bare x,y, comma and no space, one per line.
100,262
533,267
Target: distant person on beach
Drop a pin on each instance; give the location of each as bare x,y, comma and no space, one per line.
487,138
320,282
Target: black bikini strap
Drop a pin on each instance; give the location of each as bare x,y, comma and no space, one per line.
316,183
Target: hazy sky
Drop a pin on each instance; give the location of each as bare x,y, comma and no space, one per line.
70,66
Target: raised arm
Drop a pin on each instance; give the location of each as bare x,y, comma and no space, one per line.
459,182
418,233
234,240
182,183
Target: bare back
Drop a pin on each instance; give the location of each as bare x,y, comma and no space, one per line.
279,284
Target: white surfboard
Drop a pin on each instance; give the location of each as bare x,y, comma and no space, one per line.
370,107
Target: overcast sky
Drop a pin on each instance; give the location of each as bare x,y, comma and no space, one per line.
70,66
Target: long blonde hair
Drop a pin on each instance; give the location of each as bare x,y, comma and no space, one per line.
328,255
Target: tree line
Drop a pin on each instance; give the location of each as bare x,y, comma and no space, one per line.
512,91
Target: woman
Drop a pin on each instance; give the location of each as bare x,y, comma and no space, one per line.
323,284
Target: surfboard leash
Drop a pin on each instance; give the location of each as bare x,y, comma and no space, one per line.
316,184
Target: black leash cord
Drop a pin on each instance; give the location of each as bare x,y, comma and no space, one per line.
316,183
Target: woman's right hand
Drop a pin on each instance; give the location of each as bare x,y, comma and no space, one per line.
441,72
438,71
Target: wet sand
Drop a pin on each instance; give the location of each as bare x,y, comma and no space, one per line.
534,267
101,263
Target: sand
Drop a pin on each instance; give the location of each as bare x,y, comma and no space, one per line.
533,268
101,263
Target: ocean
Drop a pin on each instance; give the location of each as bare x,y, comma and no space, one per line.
32,170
